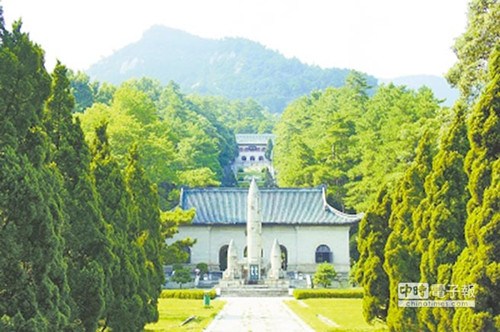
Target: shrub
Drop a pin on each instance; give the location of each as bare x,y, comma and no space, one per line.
181,275
324,275
191,294
203,267
301,294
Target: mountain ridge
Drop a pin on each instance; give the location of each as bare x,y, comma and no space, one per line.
235,68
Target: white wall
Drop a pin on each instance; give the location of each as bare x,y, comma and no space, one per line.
301,243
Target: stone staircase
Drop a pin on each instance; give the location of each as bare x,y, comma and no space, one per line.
254,291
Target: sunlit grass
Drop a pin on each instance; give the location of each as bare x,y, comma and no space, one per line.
345,313
174,311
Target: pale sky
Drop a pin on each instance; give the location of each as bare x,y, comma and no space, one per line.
385,38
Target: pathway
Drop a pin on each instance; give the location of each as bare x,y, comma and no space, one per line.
256,314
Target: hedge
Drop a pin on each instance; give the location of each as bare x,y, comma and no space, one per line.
301,294
193,294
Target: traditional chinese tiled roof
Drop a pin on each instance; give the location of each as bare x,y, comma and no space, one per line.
279,206
260,139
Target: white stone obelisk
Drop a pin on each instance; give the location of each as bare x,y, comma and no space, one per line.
254,233
274,273
232,262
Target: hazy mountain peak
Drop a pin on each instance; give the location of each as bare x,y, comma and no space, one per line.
236,68
161,33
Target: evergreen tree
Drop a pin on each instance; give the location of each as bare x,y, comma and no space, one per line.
269,150
123,303
34,292
170,221
268,178
145,236
181,275
440,217
474,47
372,237
479,262
387,136
402,260
82,90
86,252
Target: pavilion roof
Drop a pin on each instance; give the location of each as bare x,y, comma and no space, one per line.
279,206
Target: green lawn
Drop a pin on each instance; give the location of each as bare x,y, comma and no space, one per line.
346,314
174,311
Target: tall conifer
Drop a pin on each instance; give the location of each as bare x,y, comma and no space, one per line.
87,246
440,217
372,237
34,294
145,236
123,303
479,263
402,260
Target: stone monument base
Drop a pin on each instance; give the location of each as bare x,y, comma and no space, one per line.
235,283
265,288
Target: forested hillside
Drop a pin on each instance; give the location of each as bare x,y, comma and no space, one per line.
185,140
352,142
234,68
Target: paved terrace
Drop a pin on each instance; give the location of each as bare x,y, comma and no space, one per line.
257,314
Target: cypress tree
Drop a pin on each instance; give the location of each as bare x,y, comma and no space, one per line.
87,248
402,261
145,235
372,238
123,303
479,262
441,217
34,292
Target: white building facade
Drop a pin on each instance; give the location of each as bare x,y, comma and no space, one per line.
308,230
252,150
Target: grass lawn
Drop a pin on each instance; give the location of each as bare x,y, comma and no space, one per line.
174,311
345,314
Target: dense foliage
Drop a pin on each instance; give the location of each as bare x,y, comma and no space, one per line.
325,275
350,141
474,48
181,146
80,239
369,272
443,216
34,292
479,262
184,140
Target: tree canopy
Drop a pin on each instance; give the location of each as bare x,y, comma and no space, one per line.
446,208
351,142
80,248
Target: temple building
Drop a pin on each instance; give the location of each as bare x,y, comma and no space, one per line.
252,150
257,234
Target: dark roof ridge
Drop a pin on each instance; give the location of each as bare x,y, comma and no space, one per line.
330,208
317,188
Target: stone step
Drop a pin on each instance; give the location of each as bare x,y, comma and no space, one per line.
248,291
